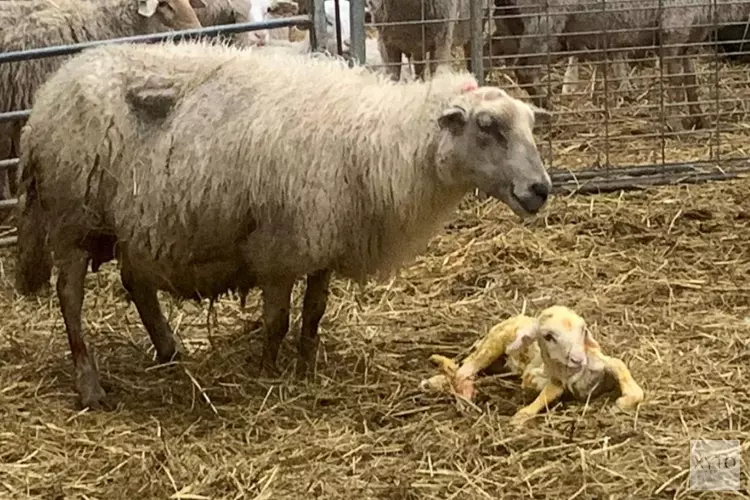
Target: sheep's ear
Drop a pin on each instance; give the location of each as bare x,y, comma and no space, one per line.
541,115
524,336
198,4
146,8
453,119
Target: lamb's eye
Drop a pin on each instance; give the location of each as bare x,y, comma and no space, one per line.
549,337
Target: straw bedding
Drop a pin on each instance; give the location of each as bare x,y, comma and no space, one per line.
663,277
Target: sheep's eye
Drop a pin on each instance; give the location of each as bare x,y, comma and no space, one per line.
549,337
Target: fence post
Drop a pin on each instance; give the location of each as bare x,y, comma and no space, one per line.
318,29
477,39
357,24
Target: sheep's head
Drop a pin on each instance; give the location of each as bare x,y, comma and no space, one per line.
487,142
563,338
172,14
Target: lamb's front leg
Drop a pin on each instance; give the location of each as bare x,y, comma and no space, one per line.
631,392
551,393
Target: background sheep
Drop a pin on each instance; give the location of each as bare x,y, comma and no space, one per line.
629,24
407,39
352,204
73,21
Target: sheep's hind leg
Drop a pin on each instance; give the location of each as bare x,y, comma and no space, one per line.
313,309
143,295
276,304
70,291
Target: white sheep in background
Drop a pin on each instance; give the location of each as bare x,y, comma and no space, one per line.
191,168
552,354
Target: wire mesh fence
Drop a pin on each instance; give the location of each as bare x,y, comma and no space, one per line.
654,89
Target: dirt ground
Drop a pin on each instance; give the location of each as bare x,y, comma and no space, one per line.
663,278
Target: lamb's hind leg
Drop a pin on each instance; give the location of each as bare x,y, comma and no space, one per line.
72,273
143,294
276,304
313,309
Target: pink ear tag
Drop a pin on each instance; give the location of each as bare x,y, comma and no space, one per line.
468,87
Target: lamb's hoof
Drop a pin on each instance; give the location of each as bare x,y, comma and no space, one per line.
170,357
629,402
521,418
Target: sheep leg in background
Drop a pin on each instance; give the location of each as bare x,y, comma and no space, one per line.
677,83
571,79
690,82
143,295
313,309
528,80
631,392
467,56
392,58
12,172
621,70
421,62
70,280
276,305
551,393
6,152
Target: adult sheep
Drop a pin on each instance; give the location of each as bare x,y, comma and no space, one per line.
406,36
73,21
358,203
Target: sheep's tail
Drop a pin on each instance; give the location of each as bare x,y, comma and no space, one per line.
33,257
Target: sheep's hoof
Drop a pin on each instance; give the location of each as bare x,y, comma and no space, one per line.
269,369
93,397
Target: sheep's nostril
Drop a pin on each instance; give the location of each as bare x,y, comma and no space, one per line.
541,190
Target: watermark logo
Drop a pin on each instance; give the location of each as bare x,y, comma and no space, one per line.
715,465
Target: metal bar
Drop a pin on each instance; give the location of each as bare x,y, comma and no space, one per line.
337,26
12,116
357,26
614,185
9,163
60,50
318,33
477,40
8,242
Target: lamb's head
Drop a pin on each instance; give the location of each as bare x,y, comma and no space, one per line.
564,341
487,142
172,14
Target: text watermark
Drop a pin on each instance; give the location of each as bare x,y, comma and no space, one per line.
715,465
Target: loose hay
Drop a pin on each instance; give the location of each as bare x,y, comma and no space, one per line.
663,277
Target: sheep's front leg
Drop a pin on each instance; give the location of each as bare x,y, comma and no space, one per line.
143,294
313,309
631,392
276,304
551,393
70,291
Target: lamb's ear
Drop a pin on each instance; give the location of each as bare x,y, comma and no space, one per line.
146,8
453,119
198,4
588,339
524,336
284,8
